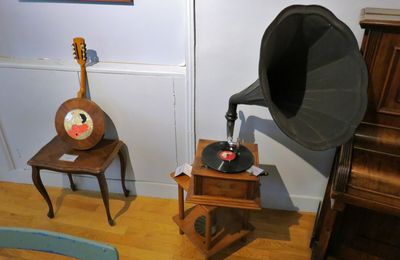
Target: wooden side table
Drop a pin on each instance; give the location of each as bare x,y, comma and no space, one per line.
90,162
220,217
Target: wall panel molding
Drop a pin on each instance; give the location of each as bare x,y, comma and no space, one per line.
101,67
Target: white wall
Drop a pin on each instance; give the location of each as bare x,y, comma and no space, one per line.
228,35
150,31
6,162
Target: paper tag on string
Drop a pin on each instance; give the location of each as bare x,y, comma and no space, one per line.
184,169
256,171
68,157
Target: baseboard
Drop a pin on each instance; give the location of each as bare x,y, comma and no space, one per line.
304,203
285,201
145,188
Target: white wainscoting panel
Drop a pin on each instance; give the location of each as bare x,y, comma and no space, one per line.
142,110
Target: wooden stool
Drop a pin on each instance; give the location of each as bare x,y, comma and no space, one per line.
91,162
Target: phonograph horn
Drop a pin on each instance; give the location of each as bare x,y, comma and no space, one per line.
312,77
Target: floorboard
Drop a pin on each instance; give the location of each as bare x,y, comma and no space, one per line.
144,228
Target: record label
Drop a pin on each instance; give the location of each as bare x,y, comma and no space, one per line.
227,155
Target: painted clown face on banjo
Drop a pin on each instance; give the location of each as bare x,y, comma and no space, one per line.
78,124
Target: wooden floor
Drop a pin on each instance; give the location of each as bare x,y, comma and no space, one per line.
144,228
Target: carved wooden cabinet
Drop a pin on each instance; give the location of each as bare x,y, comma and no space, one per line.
360,214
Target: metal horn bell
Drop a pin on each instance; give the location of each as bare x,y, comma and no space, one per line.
312,77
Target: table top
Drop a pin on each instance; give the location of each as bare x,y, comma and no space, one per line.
94,161
182,180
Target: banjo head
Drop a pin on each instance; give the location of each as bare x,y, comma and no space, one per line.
80,123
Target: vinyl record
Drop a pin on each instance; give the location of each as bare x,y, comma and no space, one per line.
221,157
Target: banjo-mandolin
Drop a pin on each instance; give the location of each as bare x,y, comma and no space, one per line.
79,121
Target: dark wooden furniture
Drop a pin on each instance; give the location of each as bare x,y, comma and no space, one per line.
222,199
361,208
91,162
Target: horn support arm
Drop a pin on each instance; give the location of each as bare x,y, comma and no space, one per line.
252,95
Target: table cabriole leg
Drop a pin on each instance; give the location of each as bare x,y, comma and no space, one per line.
104,193
71,182
37,181
122,161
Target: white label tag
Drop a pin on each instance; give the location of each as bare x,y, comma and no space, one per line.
68,157
255,170
185,169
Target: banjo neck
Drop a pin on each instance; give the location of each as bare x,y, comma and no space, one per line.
82,90
79,48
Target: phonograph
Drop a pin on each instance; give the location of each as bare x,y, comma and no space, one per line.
79,121
313,80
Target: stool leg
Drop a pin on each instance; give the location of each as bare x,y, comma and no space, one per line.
37,181
181,206
246,219
208,230
104,193
122,161
245,223
71,182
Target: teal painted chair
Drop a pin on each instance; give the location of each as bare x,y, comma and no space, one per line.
56,243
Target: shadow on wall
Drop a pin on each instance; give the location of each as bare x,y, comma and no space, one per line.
91,57
270,129
110,132
273,185
113,172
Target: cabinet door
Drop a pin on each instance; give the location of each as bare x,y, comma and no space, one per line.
381,50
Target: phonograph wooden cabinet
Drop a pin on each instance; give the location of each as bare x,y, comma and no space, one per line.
360,214
221,203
